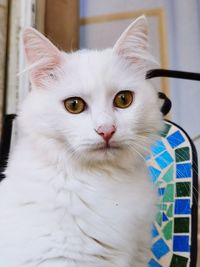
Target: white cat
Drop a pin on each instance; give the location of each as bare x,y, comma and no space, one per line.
77,192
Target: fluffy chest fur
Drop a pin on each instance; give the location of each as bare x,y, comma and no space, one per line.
77,217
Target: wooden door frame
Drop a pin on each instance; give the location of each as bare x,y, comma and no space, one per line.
4,9
59,21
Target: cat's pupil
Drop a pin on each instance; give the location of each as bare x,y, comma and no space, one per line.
74,103
123,98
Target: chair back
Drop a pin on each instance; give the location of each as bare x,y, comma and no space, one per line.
173,169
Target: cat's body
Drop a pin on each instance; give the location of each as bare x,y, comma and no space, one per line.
76,195
74,217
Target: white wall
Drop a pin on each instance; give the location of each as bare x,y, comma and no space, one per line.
183,35
184,40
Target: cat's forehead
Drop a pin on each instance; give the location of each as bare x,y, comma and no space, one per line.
96,72
91,64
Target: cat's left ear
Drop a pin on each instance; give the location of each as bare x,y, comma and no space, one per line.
133,43
42,56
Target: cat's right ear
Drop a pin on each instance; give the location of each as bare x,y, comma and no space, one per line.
42,56
133,43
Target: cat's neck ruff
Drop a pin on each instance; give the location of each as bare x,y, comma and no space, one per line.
83,211
52,153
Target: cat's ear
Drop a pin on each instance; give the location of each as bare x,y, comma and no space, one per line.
133,43
42,56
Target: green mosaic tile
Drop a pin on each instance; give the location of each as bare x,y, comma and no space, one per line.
169,193
159,218
167,231
182,154
165,130
183,189
170,211
178,261
181,225
162,207
168,176
159,183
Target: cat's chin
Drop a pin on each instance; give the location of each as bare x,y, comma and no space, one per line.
102,152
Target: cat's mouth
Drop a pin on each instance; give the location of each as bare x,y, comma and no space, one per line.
105,147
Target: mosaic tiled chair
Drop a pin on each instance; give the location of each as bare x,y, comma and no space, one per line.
173,169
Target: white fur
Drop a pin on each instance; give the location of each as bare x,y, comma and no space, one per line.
64,202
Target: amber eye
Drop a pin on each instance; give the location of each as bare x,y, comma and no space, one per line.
123,99
75,105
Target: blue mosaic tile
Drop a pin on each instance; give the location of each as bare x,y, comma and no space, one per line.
158,147
183,170
154,173
182,206
161,191
181,243
147,158
175,139
159,248
164,217
164,160
154,231
153,263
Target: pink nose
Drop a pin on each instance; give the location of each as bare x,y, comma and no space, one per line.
106,132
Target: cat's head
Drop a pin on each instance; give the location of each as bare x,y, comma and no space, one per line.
94,104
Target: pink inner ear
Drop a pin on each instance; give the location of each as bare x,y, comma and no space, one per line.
133,43
45,72
42,56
